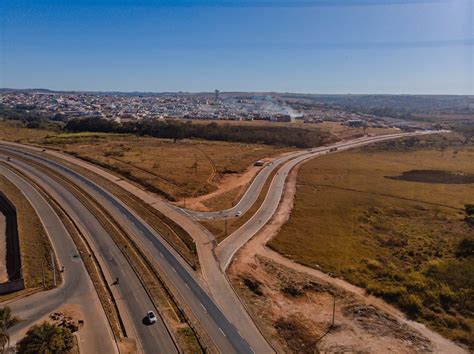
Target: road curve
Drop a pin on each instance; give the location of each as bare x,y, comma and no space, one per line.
253,191
77,288
224,334
227,248
218,284
130,295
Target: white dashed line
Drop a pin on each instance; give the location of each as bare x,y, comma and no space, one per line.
204,309
220,329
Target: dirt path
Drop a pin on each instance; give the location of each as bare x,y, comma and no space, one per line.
250,258
227,183
3,250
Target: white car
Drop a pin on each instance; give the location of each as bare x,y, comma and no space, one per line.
239,213
151,317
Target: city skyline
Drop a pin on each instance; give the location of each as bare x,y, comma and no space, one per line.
387,47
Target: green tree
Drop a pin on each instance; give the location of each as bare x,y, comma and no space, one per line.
6,321
46,339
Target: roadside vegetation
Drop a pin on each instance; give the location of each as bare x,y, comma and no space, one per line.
46,338
396,219
178,129
7,320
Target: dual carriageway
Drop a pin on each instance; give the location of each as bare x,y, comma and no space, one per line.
210,300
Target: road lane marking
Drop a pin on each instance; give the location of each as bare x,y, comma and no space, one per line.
220,329
186,285
206,312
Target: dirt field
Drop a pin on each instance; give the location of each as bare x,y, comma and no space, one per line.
296,311
358,217
175,170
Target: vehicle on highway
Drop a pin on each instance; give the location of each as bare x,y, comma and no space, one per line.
239,213
151,317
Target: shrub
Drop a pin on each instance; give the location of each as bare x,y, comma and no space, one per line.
411,304
469,208
46,338
253,285
465,247
388,291
446,297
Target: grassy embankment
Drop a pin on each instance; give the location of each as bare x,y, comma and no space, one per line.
35,248
403,236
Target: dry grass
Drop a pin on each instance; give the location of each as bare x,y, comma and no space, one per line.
225,200
16,132
334,128
35,247
188,168
396,238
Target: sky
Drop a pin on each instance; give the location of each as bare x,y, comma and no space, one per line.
304,46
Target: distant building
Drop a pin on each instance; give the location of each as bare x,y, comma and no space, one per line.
356,123
216,94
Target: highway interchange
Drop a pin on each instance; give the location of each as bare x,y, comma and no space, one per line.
212,303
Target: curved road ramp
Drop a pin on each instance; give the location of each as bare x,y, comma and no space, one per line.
10,269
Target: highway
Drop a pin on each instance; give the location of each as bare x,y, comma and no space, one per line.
225,336
77,288
213,270
131,297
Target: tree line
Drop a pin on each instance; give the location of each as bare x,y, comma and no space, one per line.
176,130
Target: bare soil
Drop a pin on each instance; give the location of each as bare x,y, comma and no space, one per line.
293,304
230,188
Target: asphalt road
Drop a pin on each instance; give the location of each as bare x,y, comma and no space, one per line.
218,284
226,337
77,288
253,191
132,298
226,250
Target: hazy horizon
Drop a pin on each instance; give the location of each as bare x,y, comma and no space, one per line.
316,47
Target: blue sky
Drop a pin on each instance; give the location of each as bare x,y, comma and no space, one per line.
333,46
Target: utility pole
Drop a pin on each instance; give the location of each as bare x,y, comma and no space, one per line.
225,226
195,165
54,268
333,310
138,127
42,271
